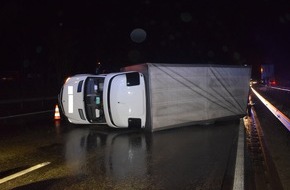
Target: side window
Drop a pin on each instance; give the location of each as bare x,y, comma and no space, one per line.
133,79
80,85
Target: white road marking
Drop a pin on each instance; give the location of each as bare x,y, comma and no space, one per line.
3,180
239,167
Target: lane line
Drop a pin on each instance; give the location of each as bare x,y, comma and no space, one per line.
3,180
239,167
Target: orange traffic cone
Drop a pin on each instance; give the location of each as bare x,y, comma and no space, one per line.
56,113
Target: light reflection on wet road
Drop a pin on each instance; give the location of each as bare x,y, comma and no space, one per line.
195,157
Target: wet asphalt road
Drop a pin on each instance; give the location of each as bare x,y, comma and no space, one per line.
94,157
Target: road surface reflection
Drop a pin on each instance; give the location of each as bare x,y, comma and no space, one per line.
122,153
197,156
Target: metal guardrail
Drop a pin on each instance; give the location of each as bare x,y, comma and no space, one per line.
265,173
18,107
279,88
277,113
26,114
12,101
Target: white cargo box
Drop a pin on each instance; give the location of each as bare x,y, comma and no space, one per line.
185,94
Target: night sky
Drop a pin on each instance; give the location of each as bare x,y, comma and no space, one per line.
67,37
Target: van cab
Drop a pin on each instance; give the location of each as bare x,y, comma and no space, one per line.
116,99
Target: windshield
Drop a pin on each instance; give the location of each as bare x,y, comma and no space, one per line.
93,97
